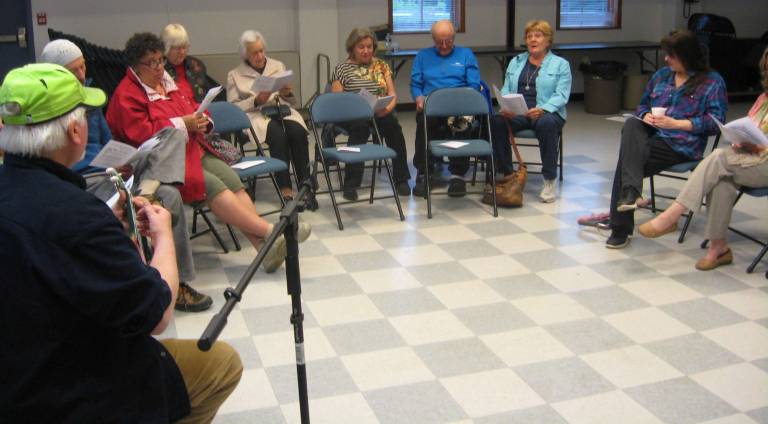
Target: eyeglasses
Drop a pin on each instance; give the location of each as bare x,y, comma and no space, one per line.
154,64
444,42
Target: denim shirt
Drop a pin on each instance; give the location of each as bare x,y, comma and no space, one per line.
431,71
553,82
708,99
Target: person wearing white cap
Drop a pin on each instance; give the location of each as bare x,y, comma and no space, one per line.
67,54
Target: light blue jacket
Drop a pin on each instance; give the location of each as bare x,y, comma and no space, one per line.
553,83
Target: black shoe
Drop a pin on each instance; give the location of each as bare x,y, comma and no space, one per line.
457,187
629,200
420,188
190,300
403,189
617,240
350,193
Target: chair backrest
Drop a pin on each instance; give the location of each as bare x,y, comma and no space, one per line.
455,101
333,108
485,90
228,118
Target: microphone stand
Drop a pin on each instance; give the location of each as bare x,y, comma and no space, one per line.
288,225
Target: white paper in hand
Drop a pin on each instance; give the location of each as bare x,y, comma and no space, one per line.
247,164
348,149
512,102
376,103
742,131
272,83
212,93
113,155
454,144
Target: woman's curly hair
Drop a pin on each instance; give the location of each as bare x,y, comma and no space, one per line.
140,44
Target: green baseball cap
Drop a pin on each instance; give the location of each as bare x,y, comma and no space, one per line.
40,92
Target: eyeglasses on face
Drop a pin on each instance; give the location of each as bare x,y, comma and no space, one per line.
443,42
154,64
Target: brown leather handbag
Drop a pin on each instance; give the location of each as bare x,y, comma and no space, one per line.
509,189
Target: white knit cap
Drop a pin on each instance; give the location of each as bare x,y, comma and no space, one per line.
61,52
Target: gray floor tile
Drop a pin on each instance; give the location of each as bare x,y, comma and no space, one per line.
759,415
692,353
313,248
406,302
563,379
327,287
624,271
609,300
762,363
421,403
578,159
261,416
493,318
248,353
680,401
588,336
470,249
520,286
325,377
273,319
544,260
538,415
401,239
495,228
365,336
710,282
567,236
457,357
331,229
442,273
702,314
367,261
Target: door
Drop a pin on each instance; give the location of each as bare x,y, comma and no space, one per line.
16,40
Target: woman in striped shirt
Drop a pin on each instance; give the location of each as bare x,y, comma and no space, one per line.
364,71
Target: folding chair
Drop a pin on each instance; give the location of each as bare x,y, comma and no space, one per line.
335,108
531,134
755,192
672,172
230,119
459,101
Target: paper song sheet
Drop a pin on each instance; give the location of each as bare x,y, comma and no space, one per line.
212,93
512,102
272,82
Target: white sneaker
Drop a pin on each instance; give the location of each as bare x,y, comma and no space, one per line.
547,194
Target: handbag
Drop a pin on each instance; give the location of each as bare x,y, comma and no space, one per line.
223,149
509,190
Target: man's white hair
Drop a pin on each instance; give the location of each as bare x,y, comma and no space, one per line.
248,37
39,140
440,23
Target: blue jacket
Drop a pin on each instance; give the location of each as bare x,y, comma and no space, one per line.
98,137
553,83
431,71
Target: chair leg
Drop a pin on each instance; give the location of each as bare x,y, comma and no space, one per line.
194,220
757,259
234,238
213,231
376,165
561,156
333,197
394,190
686,224
653,195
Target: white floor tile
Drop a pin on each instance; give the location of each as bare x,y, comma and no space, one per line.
254,391
647,325
494,266
605,408
747,339
342,310
449,233
661,291
277,349
574,278
744,386
630,366
518,243
420,255
552,309
533,224
351,244
351,408
466,294
491,392
593,253
526,346
320,266
430,327
386,368
752,304
385,280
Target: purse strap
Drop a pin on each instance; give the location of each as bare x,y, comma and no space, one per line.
512,142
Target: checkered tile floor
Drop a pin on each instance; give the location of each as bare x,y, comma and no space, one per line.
525,318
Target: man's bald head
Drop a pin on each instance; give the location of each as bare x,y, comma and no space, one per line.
443,34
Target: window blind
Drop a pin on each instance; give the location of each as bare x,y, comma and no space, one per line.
419,15
588,13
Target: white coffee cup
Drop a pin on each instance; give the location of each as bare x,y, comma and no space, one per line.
658,111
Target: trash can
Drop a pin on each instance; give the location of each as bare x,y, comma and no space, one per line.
634,85
602,86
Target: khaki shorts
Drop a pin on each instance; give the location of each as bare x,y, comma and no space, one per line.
219,176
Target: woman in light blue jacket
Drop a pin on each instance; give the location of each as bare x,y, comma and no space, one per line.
544,80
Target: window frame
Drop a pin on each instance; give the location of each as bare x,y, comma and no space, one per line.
616,17
458,23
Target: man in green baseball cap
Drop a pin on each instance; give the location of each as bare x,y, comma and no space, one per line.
82,307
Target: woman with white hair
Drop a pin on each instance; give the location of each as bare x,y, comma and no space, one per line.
187,71
272,115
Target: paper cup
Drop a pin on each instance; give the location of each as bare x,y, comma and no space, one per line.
658,111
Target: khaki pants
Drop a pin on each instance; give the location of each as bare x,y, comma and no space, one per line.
210,376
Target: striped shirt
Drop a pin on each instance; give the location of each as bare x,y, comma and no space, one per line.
371,77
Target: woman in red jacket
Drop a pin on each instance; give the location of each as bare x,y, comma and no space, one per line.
146,101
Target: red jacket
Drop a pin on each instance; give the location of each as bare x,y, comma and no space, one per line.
133,119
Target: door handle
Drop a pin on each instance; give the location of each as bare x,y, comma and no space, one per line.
20,37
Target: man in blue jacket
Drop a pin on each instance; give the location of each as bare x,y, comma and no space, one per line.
444,65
